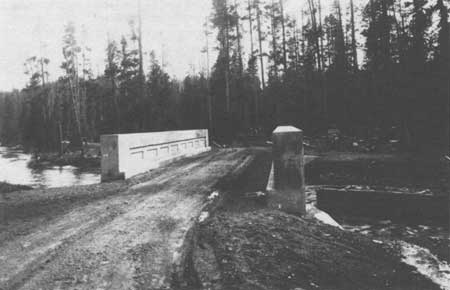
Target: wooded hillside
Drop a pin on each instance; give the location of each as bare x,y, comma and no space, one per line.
359,68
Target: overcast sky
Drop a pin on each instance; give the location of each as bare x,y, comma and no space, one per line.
35,27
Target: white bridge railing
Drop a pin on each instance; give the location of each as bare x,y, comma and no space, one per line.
125,155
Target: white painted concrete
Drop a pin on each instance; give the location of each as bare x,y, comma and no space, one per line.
125,155
286,129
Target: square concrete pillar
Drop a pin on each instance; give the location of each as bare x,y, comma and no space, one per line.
288,192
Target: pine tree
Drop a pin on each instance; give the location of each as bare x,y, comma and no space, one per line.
130,92
71,51
112,72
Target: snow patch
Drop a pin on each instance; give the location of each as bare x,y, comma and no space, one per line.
426,264
203,216
176,257
322,216
260,193
327,219
213,195
270,181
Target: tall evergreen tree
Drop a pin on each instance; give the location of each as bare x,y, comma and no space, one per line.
70,65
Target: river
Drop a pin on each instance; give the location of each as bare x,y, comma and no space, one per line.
14,169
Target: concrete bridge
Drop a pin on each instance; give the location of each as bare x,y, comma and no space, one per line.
126,234
125,155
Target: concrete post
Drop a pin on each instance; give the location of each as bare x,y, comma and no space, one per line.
288,192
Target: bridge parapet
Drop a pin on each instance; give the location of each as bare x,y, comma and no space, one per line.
125,155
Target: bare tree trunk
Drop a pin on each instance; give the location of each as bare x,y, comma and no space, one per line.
250,24
352,23
252,51
116,105
385,36
319,3
444,55
243,116
76,105
61,138
330,41
42,71
75,85
404,110
110,58
312,10
341,39
274,40
141,65
227,60
400,28
283,30
400,10
238,37
302,32
296,46
83,108
210,117
261,60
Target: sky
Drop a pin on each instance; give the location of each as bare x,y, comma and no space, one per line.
172,28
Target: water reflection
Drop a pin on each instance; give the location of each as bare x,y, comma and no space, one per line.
14,169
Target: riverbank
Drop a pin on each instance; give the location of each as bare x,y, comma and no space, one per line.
14,163
7,187
77,159
87,157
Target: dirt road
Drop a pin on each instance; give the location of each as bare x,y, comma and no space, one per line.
121,235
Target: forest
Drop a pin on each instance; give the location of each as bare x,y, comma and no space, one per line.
387,72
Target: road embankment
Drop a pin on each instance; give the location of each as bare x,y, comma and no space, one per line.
120,235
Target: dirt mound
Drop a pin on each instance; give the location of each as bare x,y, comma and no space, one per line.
273,250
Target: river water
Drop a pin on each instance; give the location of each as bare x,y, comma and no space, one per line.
14,169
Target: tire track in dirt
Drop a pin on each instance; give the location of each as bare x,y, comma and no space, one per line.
28,254
121,241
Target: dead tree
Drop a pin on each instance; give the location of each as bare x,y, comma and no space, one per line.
283,31
260,40
353,31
